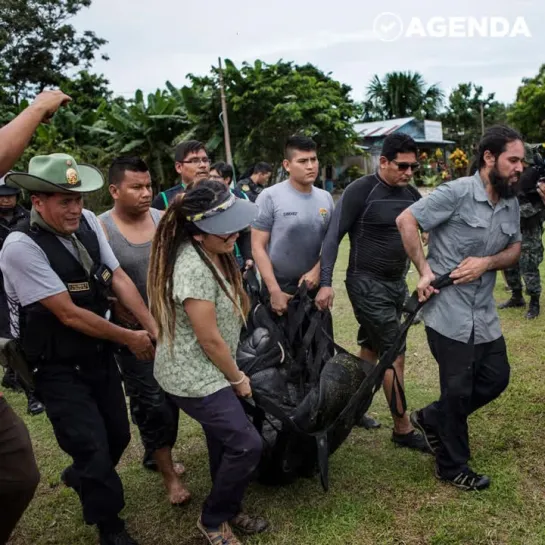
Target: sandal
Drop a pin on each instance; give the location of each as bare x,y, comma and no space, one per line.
248,525
218,536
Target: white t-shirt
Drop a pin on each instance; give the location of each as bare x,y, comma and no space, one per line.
28,276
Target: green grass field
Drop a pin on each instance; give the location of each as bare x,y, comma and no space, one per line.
379,494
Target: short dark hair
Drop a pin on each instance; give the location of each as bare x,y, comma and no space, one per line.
262,168
398,143
120,165
298,143
183,149
494,140
223,169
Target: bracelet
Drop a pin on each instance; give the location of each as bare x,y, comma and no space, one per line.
238,382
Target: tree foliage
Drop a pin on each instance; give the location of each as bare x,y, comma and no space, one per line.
146,127
462,118
528,111
38,45
269,102
401,94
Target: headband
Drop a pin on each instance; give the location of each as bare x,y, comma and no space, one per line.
213,211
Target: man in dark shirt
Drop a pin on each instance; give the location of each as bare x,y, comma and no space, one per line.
377,265
12,215
252,186
192,164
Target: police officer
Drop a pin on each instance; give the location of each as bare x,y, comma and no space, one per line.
58,272
12,215
532,214
252,186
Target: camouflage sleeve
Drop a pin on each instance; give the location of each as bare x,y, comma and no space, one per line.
529,209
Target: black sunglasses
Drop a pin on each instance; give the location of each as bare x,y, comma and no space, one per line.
406,166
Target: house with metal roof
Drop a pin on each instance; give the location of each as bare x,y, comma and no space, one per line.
427,134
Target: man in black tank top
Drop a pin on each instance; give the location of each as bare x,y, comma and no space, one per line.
375,279
130,226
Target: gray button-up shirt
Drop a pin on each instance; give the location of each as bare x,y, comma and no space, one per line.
462,222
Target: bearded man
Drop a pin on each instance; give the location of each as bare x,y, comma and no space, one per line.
474,231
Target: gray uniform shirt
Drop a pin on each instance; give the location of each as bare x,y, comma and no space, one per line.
28,276
462,222
297,223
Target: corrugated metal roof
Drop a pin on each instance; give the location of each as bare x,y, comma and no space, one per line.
381,128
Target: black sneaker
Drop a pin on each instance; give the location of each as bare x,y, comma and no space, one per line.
34,406
466,480
413,440
117,538
368,422
431,438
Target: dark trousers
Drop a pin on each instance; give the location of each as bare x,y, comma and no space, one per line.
86,406
471,375
153,411
19,474
234,451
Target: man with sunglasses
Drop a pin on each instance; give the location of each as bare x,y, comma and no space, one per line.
192,164
375,279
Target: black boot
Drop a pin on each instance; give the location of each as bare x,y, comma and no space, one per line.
533,307
516,301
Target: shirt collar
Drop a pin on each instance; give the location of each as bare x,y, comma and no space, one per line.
481,195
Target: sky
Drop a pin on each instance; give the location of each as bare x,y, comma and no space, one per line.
491,43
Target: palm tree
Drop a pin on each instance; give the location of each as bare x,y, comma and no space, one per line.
401,94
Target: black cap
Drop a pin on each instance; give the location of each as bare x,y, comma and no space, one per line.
6,191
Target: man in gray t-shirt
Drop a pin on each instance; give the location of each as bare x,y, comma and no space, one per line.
293,218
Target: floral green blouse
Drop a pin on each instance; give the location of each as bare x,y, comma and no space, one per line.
186,370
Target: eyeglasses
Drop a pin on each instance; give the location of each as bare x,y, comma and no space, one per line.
406,166
197,161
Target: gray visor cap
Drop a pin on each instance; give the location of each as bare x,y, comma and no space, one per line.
236,218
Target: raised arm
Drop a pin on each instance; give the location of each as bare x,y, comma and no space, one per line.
15,136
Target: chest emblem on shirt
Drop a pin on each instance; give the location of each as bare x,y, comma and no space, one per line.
245,187
323,213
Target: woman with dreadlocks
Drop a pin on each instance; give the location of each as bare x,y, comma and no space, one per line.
196,296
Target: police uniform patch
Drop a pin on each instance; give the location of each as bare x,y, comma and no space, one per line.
71,176
323,213
78,286
106,275
245,187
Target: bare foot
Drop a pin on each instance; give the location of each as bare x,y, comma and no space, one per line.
179,468
177,494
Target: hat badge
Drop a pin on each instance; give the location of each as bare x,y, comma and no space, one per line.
72,176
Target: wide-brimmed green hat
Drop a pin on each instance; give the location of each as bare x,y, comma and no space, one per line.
57,173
